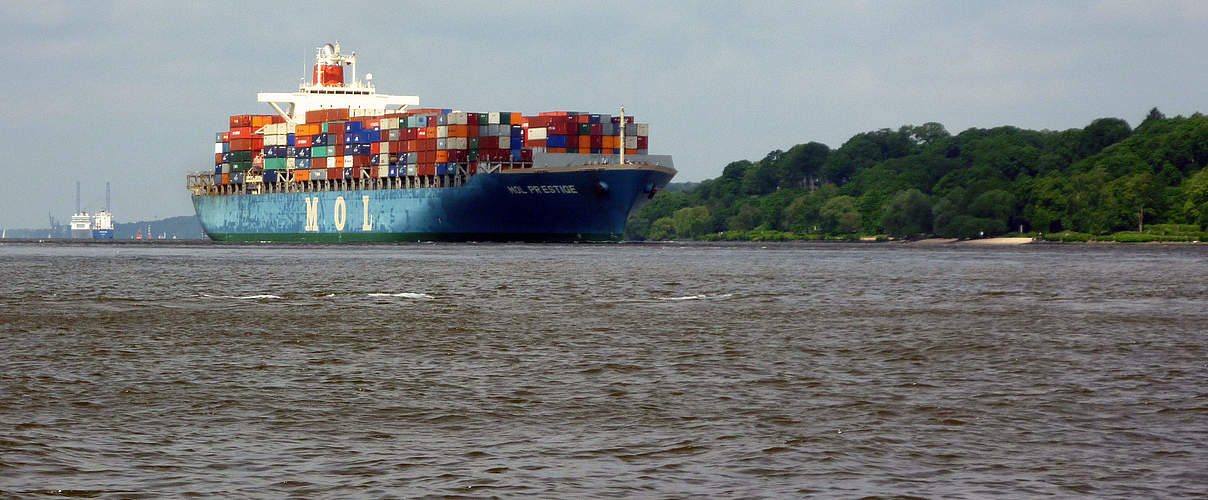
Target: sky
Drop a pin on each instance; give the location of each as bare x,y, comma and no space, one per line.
131,93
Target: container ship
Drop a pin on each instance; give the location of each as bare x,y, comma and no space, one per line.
338,162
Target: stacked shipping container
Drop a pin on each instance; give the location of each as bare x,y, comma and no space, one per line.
341,144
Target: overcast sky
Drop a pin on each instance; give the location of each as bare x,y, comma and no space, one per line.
132,92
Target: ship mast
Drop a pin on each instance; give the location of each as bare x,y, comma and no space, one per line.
622,125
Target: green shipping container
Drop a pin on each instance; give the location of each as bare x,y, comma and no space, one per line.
241,156
505,117
274,163
473,143
318,152
240,166
472,155
484,119
584,129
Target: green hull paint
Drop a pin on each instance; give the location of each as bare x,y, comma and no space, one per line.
410,237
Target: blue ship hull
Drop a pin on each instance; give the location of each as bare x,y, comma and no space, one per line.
102,234
583,204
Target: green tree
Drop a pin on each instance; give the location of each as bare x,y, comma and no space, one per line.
745,220
1195,204
691,222
907,213
839,215
662,229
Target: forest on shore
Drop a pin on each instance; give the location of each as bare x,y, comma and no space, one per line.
1107,181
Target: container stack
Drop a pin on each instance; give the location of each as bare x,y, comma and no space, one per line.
585,133
335,144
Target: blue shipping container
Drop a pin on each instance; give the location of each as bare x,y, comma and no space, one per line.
289,139
517,131
226,147
270,176
375,136
555,141
393,171
352,126
517,143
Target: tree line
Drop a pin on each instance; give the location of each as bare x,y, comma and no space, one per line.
921,181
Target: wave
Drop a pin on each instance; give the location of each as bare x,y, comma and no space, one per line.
241,297
405,295
700,297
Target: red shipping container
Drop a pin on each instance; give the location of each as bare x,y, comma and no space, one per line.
278,119
426,169
583,119
335,173
373,124
597,129
421,133
241,144
338,114
339,150
411,134
241,132
596,142
396,146
355,173
539,143
526,155
226,137
375,148
218,158
241,121
316,115
302,141
643,142
555,150
539,121
360,161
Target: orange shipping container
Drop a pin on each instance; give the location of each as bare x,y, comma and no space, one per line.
631,151
585,142
226,178
458,130
301,175
241,144
261,120
555,150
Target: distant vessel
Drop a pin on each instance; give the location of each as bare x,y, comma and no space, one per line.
98,226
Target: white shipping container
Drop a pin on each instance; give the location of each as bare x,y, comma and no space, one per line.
331,162
457,118
505,143
457,143
643,129
411,170
347,161
291,163
493,118
392,124
536,133
631,142
291,128
383,171
384,148
442,131
217,148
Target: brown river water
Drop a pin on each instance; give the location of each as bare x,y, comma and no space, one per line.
620,370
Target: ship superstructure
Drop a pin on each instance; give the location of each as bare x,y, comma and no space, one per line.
340,162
